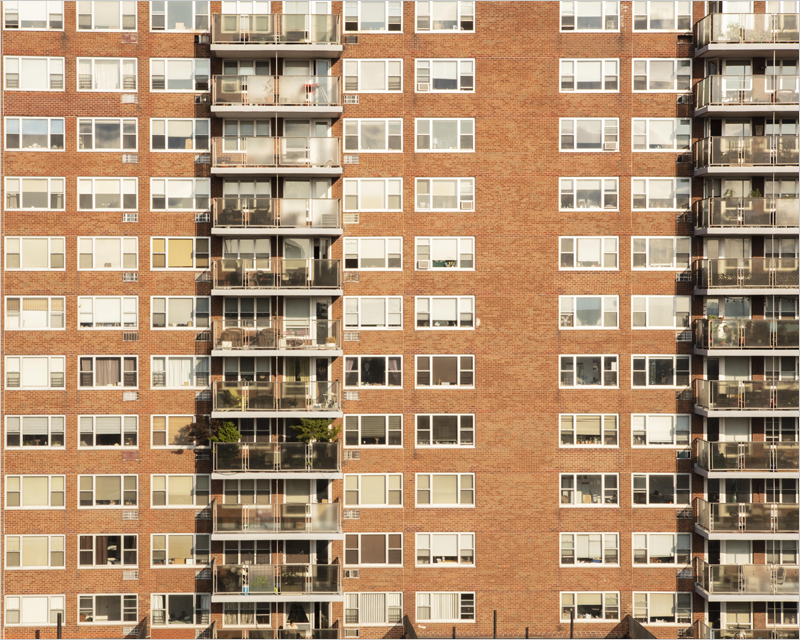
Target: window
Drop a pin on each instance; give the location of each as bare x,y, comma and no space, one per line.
105,372
180,194
445,490
781,613
373,312
445,17
108,431
107,134
585,606
665,489
373,371
589,371
589,490
385,254
180,75
34,134
180,253
35,431
440,254
373,431
662,548
589,430
247,369
662,16
373,609
108,491
179,134
588,312
371,135
373,194
780,247
445,607
108,254
373,549
180,372
589,134
373,490
180,312
28,313
445,194
582,15
445,371
661,430
108,609
662,134
662,608
246,614
668,253
102,551
445,430
34,372
661,193
589,548
444,312
108,194
660,312
30,15
179,16
107,74
174,491
596,253
171,431
34,552
179,550
373,76
38,610
445,134
247,491
583,75
46,194
373,16
33,74
661,371
589,193
662,75
108,312
106,16
35,492
445,75
445,549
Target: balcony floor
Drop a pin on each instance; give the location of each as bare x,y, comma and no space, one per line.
279,231
744,597
280,535
745,413
276,414
278,111
736,50
785,351
743,110
280,353
755,475
261,293
741,231
272,50
755,170
277,171
289,597
747,535
746,291
277,475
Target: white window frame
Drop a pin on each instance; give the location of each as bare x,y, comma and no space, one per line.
462,6
49,13
781,613
260,611
194,240
664,356
386,370
353,307
391,6
197,74
122,477
614,360
387,252
461,430
677,301
461,487
51,539
565,617
605,250
358,123
195,15
387,417
386,487
166,417
123,429
460,240
195,504
681,193
605,182
604,537
608,305
122,122
166,299
123,241
93,74
675,28
636,124
465,539
94,564
50,491
54,363
51,431
460,134
676,240
459,75
465,194
195,135
678,622
122,608
464,305
463,602
659,505
50,134
392,188
201,193
122,325
604,432
608,126
677,65
50,313
606,66
195,387
681,422
195,563
588,505
675,538
124,184
55,186
604,18
122,15
387,62
55,68
122,372
349,603
53,609
440,386
387,548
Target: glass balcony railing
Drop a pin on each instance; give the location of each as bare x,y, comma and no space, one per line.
747,273
288,333
250,580
289,91
746,151
277,213
733,213
746,28
739,333
277,634
746,517
284,29
702,630
277,396
277,456
276,273
746,579
268,152
725,90
277,518
747,456
755,395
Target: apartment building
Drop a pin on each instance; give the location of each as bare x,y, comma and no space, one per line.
537,261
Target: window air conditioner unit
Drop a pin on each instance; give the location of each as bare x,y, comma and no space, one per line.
467,206
351,633
423,86
423,265
610,146
351,573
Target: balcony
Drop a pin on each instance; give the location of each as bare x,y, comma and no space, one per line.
232,277
287,336
746,155
742,336
306,156
277,399
702,630
276,634
732,398
274,459
746,582
277,583
746,33
318,521
747,216
726,94
746,459
749,520
249,96
749,276
284,35
277,216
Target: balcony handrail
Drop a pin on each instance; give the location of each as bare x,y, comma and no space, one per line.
276,151
280,29
276,273
745,28
747,273
277,579
772,150
746,333
276,456
746,456
778,211
278,333
273,213
277,396
701,630
269,90
319,517
755,395
725,89
765,517
769,579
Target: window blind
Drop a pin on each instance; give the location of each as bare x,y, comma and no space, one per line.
107,424
444,606
107,488
373,608
445,489
588,425
34,551
373,426
662,605
34,425
373,549
445,545
373,489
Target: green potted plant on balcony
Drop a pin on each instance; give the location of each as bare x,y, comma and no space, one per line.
316,430
205,431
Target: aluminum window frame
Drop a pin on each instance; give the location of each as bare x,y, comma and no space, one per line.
459,75
122,358
53,600
358,417
606,65
675,359
195,149
50,492
50,134
461,430
583,565
50,313
387,549
460,240
388,618
676,304
122,148
470,488
387,252
679,621
604,18
386,491
397,10
604,490
51,430
124,183
260,611
464,305
122,254
604,433
460,134
466,601
564,608
605,181
121,63
676,66
358,75
52,191
166,252
463,542
122,431
358,312
608,305
122,326
462,14
201,194
194,493
610,135
53,365
676,22
54,65
390,190
661,505
460,371
605,242
173,447
195,313
56,4
195,387
197,75
94,565
359,137
647,548
196,551
681,187
50,551
615,361
122,608
676,240
677,418
386,370
122,15
465,194
679,124
197,18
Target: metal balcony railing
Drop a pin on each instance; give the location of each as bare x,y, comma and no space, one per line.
702,630
277,456
746,456
276,634
756,395
746,579
287,333
289,91
747,212
725,90
271,152
747,273
285,29
276,273
249,580
278,213
277,396
746,151
278,518
746,28
746,517
739,333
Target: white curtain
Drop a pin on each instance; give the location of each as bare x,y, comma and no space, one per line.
34,610
373,312
589,250
106,75
662,546
179,372
445,545
445,489
107,253
660,429
445,309
34,372
108,311
372,609
444,606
